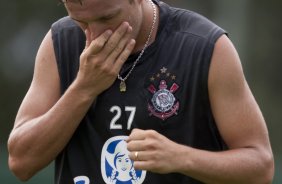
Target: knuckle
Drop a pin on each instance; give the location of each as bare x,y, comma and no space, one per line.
151,133
119,48
82,56
157,155
122,58
98,45
151,144
89,57
120,32
152,165
137,166
124,55
129,146
110,45
130,155
113,73
94,59
107,69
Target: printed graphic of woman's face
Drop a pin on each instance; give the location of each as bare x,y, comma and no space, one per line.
123,163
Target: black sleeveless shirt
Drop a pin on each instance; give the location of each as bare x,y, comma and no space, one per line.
167,92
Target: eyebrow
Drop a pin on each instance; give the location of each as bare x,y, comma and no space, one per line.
101,18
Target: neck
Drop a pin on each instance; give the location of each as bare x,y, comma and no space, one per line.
150,38
146,26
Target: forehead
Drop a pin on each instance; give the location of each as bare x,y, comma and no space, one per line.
93,8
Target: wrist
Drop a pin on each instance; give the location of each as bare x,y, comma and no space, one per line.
83,91
183,159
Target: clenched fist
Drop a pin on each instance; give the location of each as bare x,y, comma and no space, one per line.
154,152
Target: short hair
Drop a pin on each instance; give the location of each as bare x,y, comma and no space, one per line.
80,1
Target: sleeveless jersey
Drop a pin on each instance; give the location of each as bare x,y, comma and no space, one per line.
167,92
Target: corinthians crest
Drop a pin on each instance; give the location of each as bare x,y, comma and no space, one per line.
163,103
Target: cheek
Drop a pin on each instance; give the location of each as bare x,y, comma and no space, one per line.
136,30
135,22
96,30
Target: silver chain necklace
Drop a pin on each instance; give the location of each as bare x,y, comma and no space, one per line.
122,85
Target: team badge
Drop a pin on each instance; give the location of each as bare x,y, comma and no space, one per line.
163,103
116,166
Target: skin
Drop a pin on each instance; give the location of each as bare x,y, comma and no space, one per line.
240,122
37,137
112,34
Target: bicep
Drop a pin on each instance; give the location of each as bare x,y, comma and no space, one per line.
236,112
44,90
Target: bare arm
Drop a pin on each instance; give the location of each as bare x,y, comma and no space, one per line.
249,158
46,121
240,123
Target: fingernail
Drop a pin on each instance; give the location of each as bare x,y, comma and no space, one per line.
133,43
125,24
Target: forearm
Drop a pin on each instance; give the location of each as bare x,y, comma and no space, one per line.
238,166
36,142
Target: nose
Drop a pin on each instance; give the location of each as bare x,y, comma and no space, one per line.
96,29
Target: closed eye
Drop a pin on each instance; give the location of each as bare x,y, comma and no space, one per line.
106,18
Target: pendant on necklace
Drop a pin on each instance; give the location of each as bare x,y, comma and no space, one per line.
122,86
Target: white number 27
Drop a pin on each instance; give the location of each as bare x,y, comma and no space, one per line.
117,110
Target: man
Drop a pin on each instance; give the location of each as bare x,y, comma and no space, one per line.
139,92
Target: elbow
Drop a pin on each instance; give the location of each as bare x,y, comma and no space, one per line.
19,170
267,169
17,163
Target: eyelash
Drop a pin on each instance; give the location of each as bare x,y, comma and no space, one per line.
105,19
85,25
102,20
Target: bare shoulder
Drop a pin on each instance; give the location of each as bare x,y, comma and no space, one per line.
225,63
44,90
235,109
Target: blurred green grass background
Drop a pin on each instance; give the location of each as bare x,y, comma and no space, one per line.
254,26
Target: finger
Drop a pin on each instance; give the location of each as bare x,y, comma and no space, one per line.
136,134
124,55
135,130
141,155
115,38
136,145
144,165
120,47
88,39
136,156
92,36
98,44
